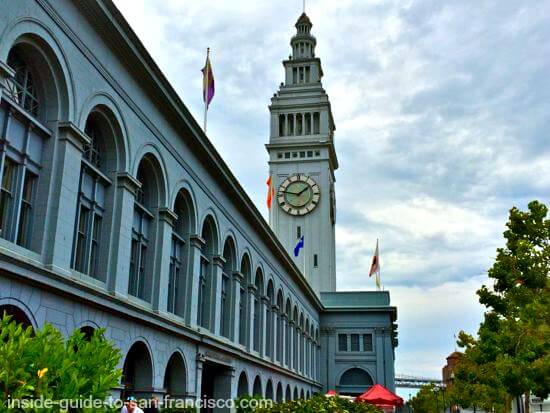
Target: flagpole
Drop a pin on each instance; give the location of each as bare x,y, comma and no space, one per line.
205,92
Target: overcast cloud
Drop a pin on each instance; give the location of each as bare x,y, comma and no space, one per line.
442,112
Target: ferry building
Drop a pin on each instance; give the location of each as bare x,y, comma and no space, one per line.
117,212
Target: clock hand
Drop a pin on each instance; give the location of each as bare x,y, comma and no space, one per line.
302,191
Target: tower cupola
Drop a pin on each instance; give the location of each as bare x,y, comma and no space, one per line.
303,43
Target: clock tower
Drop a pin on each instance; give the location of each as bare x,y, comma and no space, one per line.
302,161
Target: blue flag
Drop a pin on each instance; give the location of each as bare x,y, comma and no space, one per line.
299,246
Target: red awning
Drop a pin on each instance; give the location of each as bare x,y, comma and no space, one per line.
380,396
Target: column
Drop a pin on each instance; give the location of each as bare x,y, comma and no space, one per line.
275,332
287,128
59,234
216,294
388,359
238,283
264,302
251,296
193,280
161,274
294,124
118,274
379,350
198,375
284,327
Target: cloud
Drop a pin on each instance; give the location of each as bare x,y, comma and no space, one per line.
441,111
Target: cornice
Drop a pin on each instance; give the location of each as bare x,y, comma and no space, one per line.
127,181
71,133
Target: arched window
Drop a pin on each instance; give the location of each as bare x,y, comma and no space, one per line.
243,303
183,208
280,327
258,291
21,152
22,87
144,227
208,250
93,187
269,320
227,285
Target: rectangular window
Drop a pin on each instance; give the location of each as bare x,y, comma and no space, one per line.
317,153
287,155
315,260
302,154
6,196
309,154
298,231
94,252
355,342
294,75
316,123
280,155
367,342
134,258
342,342
81,239
307,74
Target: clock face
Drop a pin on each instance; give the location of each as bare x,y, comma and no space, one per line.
298,195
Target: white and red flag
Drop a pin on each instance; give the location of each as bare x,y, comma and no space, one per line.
375,266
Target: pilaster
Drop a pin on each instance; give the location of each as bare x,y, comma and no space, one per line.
192,303
161,275
216,298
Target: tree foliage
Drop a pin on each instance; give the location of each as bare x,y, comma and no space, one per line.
510,356
43,364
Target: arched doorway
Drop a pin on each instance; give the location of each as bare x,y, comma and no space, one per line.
257,389
279,395
88,332
354,381
295,394
16,314
242,387
269,390
302,394
175,377
137,374
288,393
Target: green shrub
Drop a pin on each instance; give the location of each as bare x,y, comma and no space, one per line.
43,364
318,404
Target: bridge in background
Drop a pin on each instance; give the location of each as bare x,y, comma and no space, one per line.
410,381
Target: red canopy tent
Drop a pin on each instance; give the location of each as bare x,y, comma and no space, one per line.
330,393
380,396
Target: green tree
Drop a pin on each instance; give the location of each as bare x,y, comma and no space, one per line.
43,364
427,400
511,352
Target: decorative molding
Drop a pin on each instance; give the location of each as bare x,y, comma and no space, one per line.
219,260
71,133
239,276
167,215
197,241
128,182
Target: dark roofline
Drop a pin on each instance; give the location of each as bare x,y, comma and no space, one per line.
175,110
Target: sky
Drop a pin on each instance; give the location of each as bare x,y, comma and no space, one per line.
442,113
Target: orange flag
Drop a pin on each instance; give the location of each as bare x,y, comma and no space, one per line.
270,192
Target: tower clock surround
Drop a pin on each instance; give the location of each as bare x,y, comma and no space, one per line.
302,162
